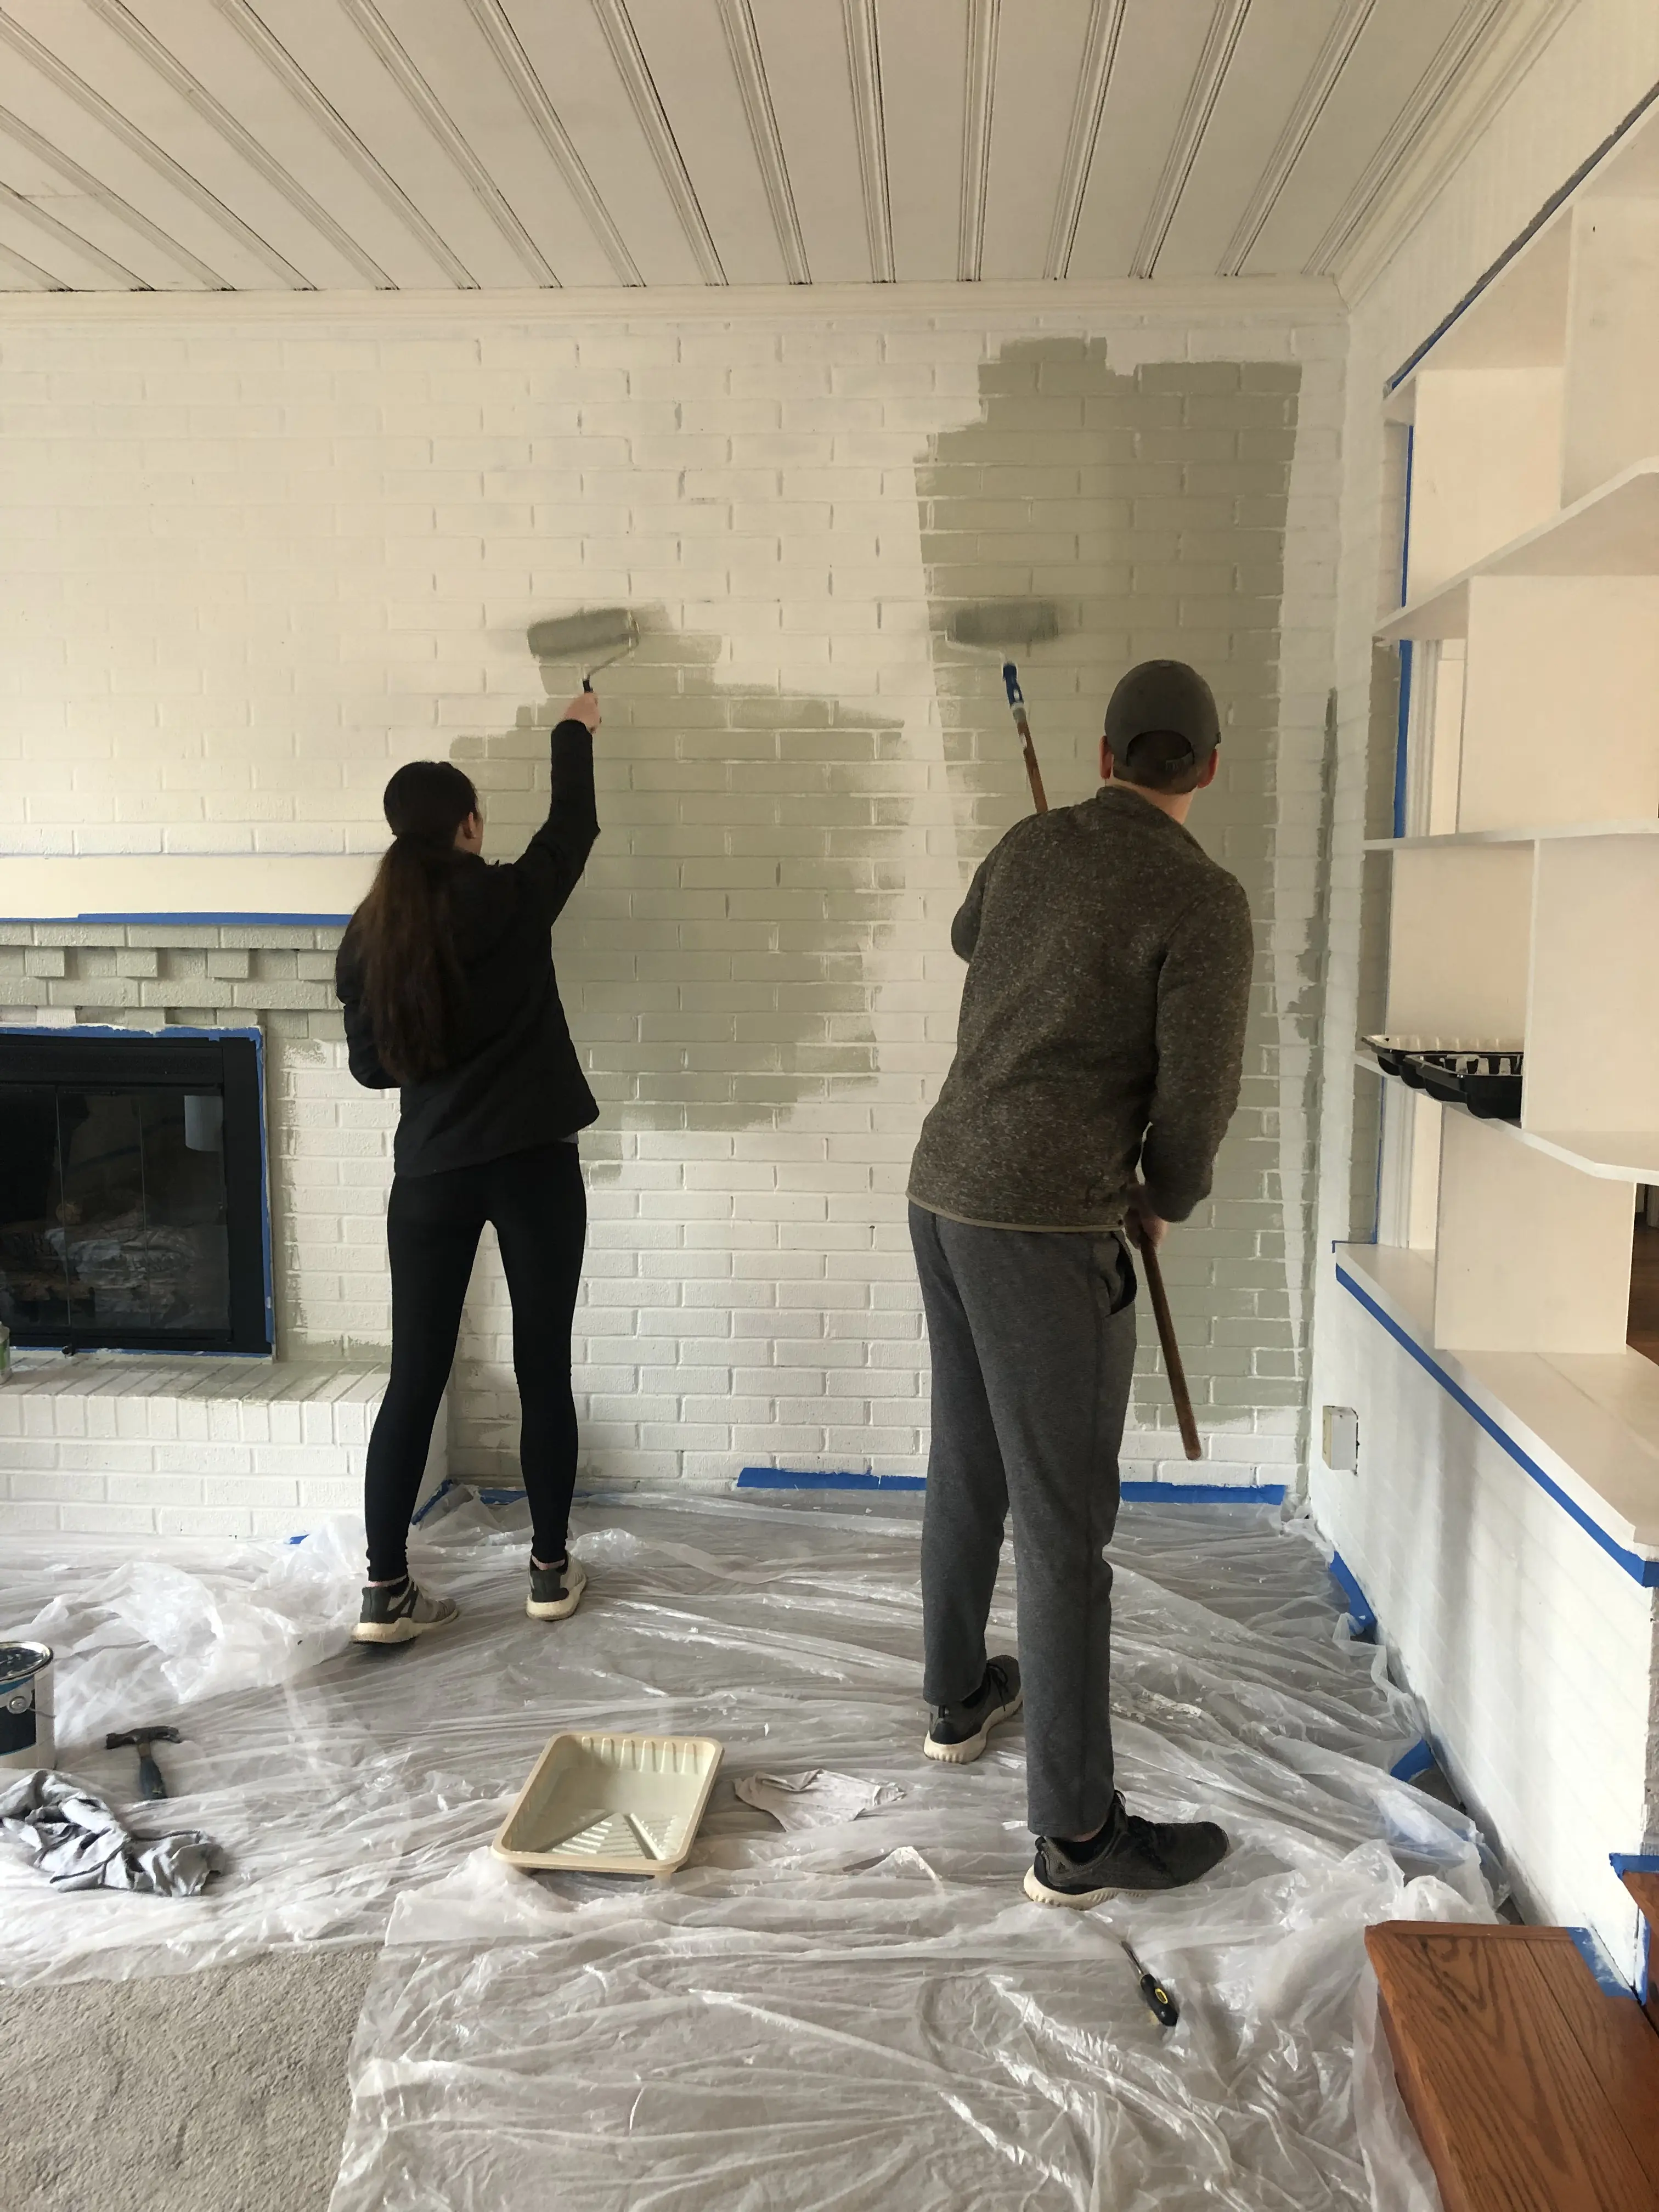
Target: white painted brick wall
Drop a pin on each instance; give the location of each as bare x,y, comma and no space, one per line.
1536,1659
254,564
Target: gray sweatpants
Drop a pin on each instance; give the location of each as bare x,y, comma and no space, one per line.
1033,1343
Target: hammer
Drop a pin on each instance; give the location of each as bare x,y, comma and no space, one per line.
150,1784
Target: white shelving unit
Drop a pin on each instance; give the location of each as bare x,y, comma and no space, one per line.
1525,901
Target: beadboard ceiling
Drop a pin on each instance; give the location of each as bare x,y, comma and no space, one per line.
343,145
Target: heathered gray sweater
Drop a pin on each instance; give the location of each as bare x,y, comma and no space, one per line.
1102,1024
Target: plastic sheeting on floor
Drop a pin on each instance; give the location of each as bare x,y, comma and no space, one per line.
834,2016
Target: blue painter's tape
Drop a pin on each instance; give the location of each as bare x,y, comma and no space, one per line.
1359,1611
1418,1760
782,1478
437,1497
1203,1493
1644,1571
1634,1861
1608,1980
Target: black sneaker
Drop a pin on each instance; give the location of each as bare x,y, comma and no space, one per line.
1128,1853
400,1610
555,1592
959,1733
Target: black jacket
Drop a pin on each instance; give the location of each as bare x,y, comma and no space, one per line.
516,1082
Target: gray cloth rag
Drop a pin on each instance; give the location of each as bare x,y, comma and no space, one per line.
70,1834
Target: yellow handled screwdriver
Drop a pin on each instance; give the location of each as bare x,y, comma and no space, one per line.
1160,2002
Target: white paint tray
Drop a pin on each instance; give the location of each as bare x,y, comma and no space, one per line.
611,1804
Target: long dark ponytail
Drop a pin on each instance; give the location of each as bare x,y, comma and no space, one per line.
403,930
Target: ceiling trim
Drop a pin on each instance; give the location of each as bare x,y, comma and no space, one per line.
33,212
1444,135
635,70
516,67
142,41
1032,304
315,104
93,104
983,22
1202,94
1329,64
743,43
393,57
1099,52
864,68
112,202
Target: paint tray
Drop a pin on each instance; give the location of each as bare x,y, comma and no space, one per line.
611,1804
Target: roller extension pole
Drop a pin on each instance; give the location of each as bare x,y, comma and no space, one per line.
1166,1337
1017,707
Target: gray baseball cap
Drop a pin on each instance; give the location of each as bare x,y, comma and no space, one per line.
1163,717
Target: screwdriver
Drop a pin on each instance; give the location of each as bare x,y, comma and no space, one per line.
1160,2002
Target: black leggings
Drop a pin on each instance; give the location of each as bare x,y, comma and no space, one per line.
539,1208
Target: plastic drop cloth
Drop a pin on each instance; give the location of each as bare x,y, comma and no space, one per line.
837,2017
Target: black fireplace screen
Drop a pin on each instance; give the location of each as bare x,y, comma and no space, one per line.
132,1198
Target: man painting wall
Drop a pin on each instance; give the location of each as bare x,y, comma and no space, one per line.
1098,1060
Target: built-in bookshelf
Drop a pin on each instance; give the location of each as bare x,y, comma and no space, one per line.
1524,905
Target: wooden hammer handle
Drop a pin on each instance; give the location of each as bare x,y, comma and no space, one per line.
1171,1350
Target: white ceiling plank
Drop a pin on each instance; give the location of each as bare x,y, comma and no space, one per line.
924,73
1257,94
632,67
51,246
749,66
236,73
803,45
328,47
154,53
1157,54
40,171
979,93
100,92
1317,86
687,49
22,275
1094,81
1040,50
864,75
411,248
569,54
454,55
1220,40
1389,61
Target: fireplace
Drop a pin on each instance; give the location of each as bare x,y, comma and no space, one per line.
133,1203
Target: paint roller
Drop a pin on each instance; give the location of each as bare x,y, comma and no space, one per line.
998,625
592,641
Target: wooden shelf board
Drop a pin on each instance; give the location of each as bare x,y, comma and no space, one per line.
1616,1156
1590,1421
1641,826
1612,531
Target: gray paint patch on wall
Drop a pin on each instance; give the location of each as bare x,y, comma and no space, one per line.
713,962
1151,507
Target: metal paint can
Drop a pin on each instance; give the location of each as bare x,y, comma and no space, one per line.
26,1731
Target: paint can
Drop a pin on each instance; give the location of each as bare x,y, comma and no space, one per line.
25,1729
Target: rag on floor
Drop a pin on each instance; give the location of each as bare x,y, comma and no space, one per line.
73,1838
816,1798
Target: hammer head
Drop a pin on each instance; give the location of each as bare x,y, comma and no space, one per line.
142,1737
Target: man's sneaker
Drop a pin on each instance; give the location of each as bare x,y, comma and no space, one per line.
1129,1853
959,1733
555,1592
400,1610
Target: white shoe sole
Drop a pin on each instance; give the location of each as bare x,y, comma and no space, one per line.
560,1608
398,1631
1077,1901
965,1753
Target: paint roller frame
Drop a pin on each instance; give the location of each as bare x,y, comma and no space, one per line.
996,625
595,639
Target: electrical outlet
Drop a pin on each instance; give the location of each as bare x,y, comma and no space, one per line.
1342,1439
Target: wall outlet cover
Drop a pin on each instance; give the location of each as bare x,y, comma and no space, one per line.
1342,1439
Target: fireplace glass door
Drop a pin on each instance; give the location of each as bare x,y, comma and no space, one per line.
131,1193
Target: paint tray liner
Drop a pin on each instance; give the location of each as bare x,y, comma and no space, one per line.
611,1804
